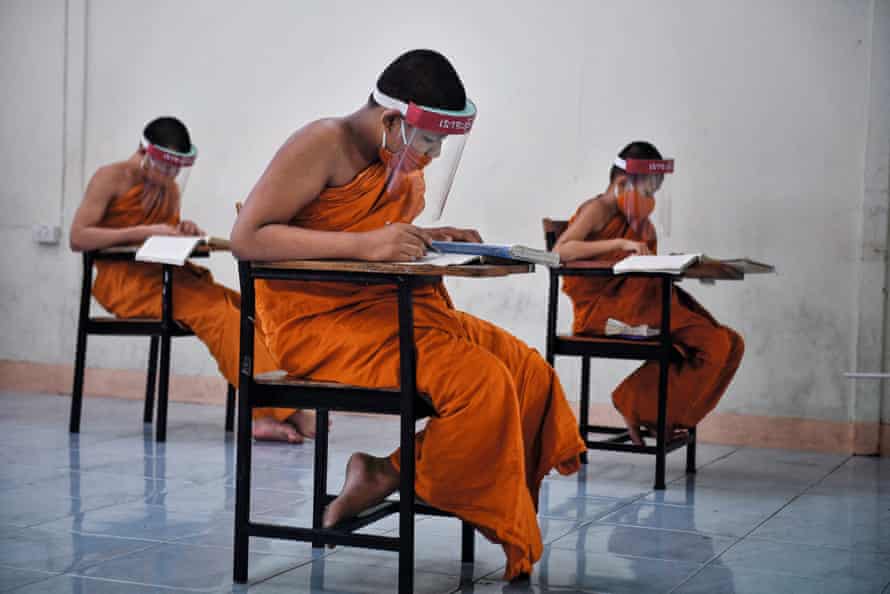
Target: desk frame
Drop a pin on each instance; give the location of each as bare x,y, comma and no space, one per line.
405,402
160,331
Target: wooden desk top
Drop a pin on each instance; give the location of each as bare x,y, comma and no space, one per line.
484,270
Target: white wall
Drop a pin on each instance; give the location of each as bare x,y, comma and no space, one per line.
764,105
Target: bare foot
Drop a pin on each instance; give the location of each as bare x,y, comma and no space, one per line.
673,431
269,429
368,481
304,421
633,431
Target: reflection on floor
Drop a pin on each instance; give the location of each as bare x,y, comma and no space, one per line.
111,511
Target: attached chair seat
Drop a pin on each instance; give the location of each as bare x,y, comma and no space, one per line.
335,396
133,326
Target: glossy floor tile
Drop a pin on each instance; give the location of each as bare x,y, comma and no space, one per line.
111,511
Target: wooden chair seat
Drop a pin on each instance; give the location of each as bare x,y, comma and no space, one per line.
336,396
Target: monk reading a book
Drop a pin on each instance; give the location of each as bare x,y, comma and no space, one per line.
128,201
349,188
610,227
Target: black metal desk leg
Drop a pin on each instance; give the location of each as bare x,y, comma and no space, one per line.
584,405
152,373
408,380
80,353
164,371
245,427
230,408
468,543
663,368
320,480
690,451
552,310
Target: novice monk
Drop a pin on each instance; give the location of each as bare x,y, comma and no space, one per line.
610,227
349,188
129,201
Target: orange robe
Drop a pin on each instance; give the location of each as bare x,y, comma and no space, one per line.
210,310
503,421
710,352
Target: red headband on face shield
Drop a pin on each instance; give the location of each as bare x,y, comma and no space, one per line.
645,166
169,156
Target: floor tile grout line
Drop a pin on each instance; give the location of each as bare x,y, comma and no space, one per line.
754,529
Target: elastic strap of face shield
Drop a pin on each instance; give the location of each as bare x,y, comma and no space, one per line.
439,121
645,166
169,156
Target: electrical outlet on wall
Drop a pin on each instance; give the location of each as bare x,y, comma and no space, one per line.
46,234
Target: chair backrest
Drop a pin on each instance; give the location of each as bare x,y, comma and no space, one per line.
552,230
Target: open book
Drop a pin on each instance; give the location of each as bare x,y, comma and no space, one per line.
166,249
678,263
497,250
673,264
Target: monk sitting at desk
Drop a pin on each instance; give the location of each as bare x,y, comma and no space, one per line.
349,188
129,201
616,224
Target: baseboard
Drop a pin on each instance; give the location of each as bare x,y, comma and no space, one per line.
22,376
721,428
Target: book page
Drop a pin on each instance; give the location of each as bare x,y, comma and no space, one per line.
434,259
165,249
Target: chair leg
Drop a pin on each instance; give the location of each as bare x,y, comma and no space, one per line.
661,436
320,478
163,390
150,380
690,452
77,388
584,405
468,543
230,409
243,439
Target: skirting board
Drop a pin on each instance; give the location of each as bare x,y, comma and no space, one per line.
722,428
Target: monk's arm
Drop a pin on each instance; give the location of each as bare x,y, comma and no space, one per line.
85,233
592,217
297,175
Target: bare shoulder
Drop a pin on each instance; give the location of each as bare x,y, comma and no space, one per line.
324,136
115,178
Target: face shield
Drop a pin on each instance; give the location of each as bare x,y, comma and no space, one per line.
430,144
166,173
644,196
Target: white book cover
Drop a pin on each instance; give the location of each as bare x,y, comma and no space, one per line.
166,249
673,264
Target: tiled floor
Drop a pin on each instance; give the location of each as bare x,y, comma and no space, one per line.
109,511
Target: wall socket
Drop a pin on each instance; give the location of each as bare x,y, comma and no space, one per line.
46,234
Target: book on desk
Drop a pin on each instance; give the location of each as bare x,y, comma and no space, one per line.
169,249
497,250
679,263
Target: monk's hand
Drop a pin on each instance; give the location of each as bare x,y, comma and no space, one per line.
395,242
636,247
161,229
455,234
190,228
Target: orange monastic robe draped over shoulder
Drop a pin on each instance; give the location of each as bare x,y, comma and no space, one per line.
503,421
210,310
711,352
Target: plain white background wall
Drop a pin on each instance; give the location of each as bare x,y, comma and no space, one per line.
763,105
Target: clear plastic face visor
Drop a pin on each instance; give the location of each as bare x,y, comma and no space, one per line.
644,196
165,167
427,151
